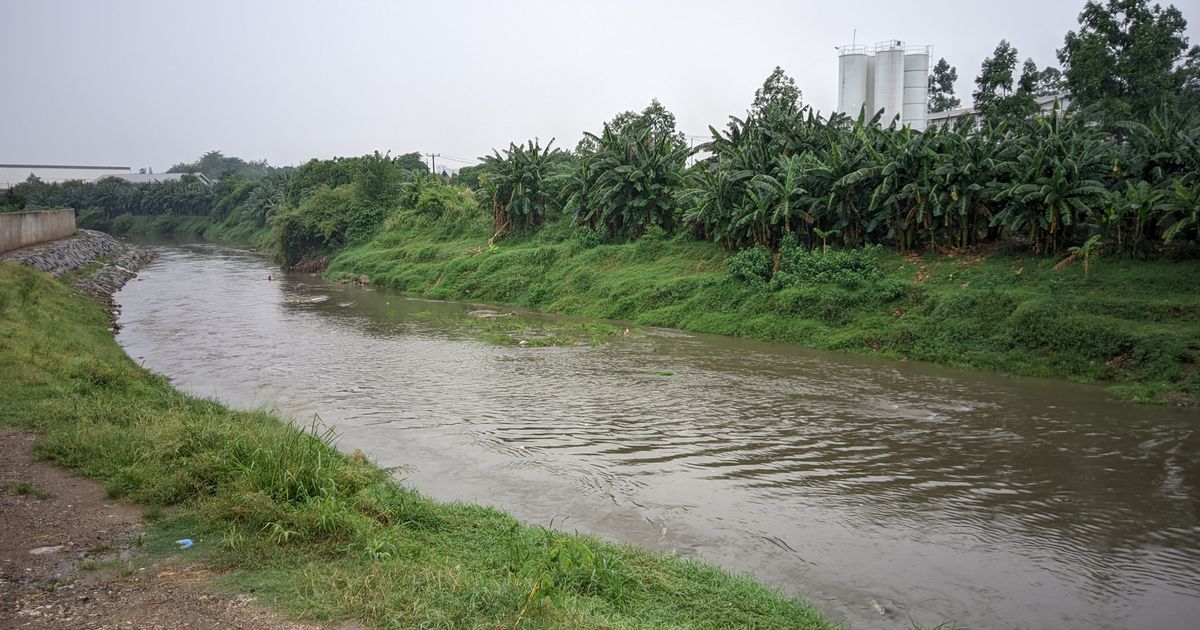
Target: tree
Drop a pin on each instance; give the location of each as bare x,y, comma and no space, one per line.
626,176
656,118
216,165
411,162
1030,77
995,80
995,96
468,176
1189,81
518,184
1050,82
778,96
1126,57
941,87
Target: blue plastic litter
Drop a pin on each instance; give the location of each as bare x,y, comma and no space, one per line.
185,543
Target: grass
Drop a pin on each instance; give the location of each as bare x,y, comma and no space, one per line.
1133,325
25,488
183,227
320,533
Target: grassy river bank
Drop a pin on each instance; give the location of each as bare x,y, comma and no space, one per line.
1132,325
324,534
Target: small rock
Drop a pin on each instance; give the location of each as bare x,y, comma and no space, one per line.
41,551
523,343
364,279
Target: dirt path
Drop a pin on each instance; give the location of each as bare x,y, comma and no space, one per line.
68,559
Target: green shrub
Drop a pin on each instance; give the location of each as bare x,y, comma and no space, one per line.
588,238
752,265
654,232
164,225
362,221
1046,327
123,224
94,219
849,268
319,223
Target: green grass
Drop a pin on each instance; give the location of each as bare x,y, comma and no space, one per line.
185,227
323,534
25,488
1134,325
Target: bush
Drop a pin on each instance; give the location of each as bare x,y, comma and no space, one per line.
752,265
122,224
94,219
164,225
654,232
588,238
849,268
318,223
363,220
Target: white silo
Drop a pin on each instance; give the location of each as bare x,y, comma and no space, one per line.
853,89
916,88
871,87
889,80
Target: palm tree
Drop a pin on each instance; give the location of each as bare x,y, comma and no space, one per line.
518,185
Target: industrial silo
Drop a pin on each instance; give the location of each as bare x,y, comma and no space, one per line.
853,89
871,87
889,80
916,88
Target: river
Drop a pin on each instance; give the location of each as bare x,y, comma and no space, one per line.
929,493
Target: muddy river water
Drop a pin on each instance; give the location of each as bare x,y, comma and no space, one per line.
864,485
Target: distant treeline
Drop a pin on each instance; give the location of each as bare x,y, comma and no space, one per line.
1121,168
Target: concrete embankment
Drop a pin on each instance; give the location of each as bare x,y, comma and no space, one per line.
102,263
21,229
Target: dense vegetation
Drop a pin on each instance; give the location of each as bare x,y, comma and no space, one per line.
1123,164
323,533
1117,176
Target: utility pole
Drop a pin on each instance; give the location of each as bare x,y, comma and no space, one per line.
433,161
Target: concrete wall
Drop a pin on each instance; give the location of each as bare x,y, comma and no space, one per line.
18,229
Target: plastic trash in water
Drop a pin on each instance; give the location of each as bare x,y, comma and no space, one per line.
184,543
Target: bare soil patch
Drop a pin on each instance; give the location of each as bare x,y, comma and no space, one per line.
69,558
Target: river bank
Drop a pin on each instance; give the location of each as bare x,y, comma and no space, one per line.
93,262
71,557
320,533
1132,325
179,227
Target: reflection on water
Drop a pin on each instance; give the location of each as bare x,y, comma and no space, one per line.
941,495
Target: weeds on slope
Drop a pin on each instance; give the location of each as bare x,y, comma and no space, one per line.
1132,324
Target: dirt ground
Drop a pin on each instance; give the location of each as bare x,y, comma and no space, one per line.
69,559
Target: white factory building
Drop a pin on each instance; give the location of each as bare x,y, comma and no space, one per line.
888,76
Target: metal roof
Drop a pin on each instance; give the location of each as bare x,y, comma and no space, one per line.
153,178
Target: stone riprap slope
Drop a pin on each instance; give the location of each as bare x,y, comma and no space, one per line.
115,262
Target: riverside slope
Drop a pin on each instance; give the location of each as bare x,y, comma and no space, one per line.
1131,324
322,534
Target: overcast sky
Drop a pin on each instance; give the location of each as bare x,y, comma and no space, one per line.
154,83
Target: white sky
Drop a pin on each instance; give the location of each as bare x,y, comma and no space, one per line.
154,83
